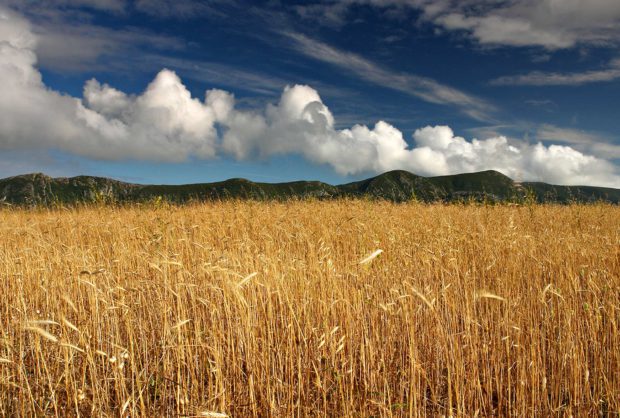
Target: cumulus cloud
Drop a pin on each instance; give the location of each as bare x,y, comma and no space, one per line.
165,123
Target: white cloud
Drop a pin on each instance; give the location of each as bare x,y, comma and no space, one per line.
564,165
500,30
537,78
165,123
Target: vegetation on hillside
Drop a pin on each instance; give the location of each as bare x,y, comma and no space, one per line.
396,186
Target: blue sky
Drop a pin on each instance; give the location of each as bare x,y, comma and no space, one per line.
327,90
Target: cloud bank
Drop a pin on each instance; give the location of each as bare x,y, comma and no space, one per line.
165,123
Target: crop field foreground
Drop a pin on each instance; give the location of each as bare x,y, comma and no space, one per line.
251,309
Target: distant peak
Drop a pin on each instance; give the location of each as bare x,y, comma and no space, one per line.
31,176
396,174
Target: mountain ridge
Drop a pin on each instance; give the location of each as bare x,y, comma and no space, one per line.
36,189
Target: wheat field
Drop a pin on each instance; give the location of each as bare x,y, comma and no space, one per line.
347,308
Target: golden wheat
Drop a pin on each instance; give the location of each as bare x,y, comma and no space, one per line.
265,309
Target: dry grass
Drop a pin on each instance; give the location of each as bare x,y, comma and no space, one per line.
264,309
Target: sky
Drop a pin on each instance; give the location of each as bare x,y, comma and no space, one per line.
181,91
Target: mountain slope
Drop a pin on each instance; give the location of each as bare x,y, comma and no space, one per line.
490,186
565,194
397,186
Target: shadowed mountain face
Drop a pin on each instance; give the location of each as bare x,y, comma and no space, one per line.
397,186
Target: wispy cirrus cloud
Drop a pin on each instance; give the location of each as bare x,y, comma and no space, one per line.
421,87
67,37
85,47
550,24
215,73
165,9
590,142
537,78
182,9
43,6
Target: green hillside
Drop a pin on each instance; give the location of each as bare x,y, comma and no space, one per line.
397,186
